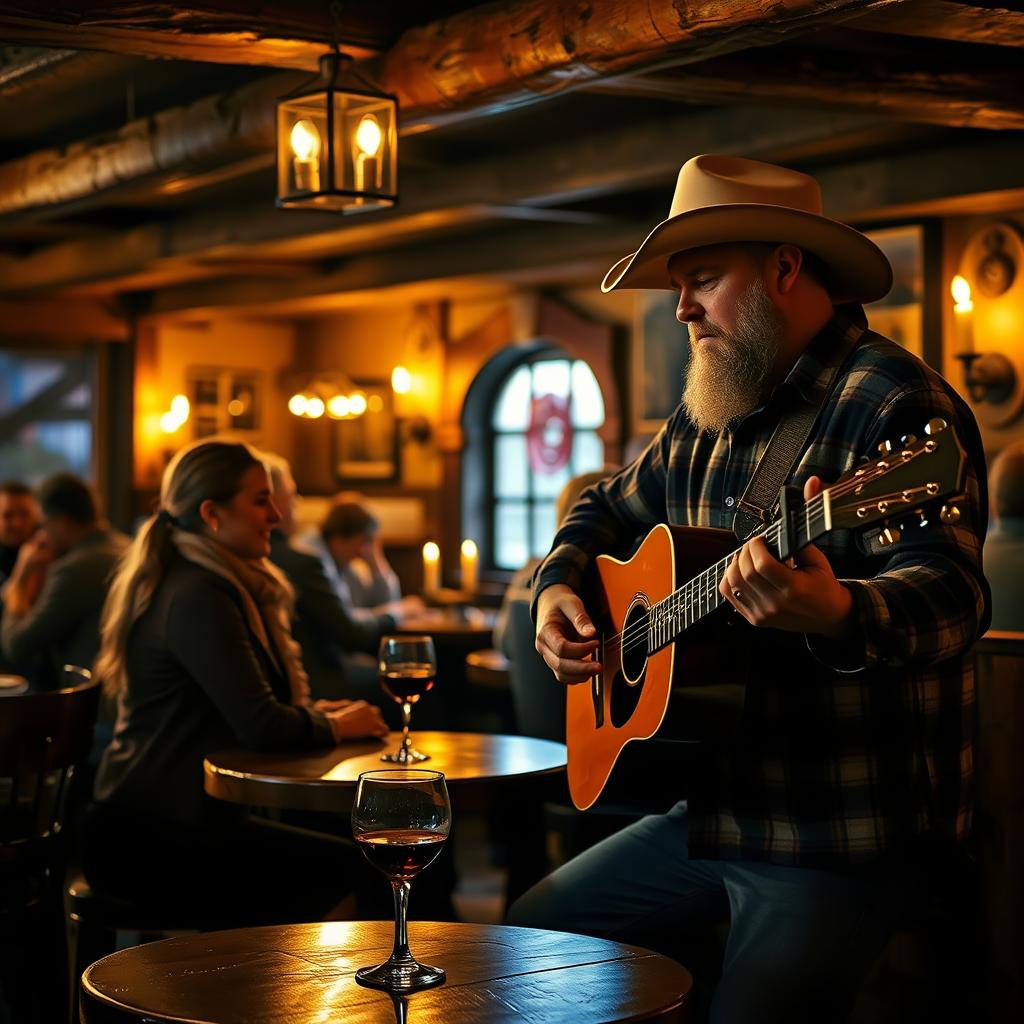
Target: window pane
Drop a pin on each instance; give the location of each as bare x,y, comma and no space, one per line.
512,411
587,452
587,408
510,466
547,485
543,527
56,439
551,377
511,547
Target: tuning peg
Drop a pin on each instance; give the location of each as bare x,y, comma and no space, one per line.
950,514
935,426
908,439
889,536
886,447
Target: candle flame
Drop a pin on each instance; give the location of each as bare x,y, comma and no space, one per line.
961,291
431,552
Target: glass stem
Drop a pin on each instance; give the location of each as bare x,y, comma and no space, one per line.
406,720
400,954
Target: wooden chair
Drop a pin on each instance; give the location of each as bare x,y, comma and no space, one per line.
43,737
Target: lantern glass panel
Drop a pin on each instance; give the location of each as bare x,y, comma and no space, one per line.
364,146
302,143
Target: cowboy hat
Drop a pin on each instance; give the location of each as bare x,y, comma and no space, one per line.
722,199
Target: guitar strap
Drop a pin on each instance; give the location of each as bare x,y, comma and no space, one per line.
760,501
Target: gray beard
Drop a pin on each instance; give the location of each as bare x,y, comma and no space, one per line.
728,380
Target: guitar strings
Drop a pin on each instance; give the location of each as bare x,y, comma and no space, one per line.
637,634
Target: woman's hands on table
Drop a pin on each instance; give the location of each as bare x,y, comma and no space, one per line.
353,719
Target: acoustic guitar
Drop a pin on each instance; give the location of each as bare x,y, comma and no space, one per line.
645,616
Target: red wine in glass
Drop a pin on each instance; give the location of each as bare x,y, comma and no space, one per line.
408,669
401,818
400,853
407,682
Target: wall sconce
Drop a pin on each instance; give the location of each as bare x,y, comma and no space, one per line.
984,303
988,377
337,145
175,417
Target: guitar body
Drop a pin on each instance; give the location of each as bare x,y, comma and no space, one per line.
629,699
646,654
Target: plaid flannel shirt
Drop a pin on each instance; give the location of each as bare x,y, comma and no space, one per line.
845,752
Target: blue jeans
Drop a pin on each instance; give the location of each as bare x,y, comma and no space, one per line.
800,940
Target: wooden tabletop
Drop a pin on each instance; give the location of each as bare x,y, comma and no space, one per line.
325,780
303,974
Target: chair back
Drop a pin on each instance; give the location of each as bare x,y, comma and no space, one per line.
43,736
537,697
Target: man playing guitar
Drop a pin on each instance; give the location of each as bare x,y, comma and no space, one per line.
852,758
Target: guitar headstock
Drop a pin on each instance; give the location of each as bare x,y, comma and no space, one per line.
904,478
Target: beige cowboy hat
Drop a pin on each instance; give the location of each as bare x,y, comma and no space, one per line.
721,199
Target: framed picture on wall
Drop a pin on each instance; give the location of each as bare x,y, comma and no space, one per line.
899,315
365,448
661,350
223,400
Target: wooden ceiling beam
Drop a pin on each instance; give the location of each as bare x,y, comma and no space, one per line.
292,35
508,54
986,97
500,53
940,19
614,161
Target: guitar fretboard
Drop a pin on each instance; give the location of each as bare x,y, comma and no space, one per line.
700,596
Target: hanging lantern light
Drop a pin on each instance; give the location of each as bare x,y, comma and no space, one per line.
337,146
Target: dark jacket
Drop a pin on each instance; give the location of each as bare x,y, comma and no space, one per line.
198,681
321,625
63,626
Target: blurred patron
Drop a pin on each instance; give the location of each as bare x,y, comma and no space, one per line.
53,597
19,519
1004,547
329,635
366,583
197,649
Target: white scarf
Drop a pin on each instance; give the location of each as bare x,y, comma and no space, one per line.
266,596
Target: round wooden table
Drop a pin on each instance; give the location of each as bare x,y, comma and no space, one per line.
303,974
325,780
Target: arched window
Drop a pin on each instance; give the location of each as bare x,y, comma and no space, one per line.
544,427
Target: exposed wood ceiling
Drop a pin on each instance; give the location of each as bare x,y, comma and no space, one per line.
540,137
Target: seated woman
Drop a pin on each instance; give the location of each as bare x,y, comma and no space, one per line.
196,648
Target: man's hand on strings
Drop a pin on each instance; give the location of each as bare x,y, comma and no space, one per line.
803,598
566,637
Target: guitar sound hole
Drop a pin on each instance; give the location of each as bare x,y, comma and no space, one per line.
628,685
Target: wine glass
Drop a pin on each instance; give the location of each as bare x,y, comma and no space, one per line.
408,668
400,819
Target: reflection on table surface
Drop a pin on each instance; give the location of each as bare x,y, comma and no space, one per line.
324,780
304,974
467,620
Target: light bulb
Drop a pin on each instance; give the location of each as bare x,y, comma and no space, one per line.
368,135
357,403
297,404
339,407
961,294
305,140
180,407
169,423
314,407
401,380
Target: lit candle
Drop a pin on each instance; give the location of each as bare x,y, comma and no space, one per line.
963,316
431,567
469,566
